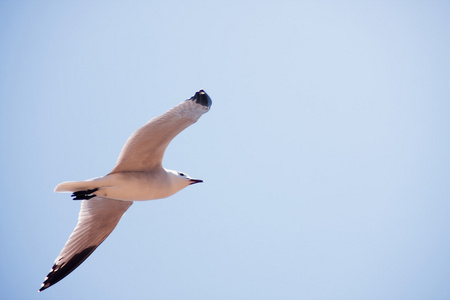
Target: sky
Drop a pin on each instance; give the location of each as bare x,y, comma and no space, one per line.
325,155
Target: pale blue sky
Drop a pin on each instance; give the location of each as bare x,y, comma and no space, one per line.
325,155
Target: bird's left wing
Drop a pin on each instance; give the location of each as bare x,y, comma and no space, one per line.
97,219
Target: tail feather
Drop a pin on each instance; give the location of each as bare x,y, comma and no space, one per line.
74,186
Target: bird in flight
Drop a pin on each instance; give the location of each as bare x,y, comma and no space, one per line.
138,175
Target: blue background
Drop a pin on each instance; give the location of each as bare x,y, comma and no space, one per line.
325,155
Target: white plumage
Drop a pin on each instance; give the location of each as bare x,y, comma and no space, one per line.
138,175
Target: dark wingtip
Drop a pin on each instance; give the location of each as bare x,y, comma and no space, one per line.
202,98
47,282
43,287
58,272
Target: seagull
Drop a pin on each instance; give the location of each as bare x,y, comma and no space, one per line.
138,175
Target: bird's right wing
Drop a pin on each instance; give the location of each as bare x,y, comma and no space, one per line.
97,219
145,148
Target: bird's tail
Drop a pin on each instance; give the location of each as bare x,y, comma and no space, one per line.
75,186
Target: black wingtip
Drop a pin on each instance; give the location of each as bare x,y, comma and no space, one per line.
58,272
43,287
202,98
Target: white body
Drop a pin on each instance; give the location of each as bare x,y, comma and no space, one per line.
130,186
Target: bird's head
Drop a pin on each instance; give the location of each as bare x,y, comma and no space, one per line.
188,179
181,179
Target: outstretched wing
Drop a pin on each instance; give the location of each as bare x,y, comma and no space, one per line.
97,219
145,148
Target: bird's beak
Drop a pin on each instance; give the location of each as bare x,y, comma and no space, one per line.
194,181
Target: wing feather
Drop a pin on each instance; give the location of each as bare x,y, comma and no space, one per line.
97,219
145,148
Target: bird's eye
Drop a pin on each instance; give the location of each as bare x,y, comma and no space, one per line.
182,174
